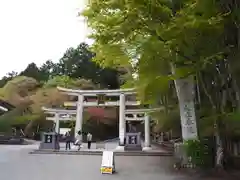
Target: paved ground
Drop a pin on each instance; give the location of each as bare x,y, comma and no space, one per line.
17,164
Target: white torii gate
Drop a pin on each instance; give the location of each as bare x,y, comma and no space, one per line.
57,116
122,93
146,118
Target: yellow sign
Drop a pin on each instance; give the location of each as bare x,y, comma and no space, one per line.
108,164
106,170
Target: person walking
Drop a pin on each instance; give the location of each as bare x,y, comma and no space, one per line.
68,140
89,140
78,141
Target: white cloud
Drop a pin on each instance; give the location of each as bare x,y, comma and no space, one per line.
38,30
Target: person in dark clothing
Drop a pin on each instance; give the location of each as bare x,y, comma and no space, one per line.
68,140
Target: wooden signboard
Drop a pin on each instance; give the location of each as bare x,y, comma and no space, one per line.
108,163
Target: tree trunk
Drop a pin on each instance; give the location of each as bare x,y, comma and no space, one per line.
237,92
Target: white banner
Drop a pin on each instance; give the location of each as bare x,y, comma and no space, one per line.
189,121
185,92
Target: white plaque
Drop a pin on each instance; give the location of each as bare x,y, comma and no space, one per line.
189,121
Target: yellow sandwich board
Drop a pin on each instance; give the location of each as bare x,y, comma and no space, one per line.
108,163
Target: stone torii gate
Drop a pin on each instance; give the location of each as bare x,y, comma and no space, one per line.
101,95
146,118
135,112
57,116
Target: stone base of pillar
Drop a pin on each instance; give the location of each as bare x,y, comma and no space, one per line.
147,148
120,148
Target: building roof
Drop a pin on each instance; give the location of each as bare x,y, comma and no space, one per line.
5,106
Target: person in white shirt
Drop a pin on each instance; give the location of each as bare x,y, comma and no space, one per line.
89,140
78,141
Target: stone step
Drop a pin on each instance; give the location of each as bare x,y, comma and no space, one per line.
12,141
165,145
99,153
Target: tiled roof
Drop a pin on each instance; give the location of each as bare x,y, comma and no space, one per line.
5,106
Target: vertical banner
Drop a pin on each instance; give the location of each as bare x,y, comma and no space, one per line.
189,121
185,92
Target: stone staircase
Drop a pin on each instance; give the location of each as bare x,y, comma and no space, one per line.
99,153
167,145
6,139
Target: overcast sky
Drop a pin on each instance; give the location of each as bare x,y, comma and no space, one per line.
38,30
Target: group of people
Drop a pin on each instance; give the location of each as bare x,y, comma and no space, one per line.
78,140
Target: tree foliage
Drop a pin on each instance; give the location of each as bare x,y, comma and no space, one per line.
17,90
196,38
155,34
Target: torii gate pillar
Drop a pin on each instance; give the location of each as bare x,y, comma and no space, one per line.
147,132
79,116
122,122
57,123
